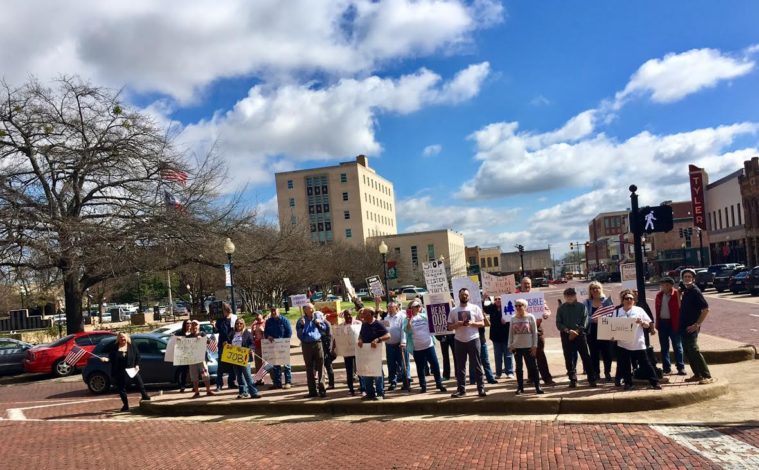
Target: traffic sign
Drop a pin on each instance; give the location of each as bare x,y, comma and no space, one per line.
654,219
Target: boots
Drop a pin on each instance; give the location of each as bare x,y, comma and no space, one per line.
538,390
520,387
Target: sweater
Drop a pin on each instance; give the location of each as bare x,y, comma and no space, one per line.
571,316
523,332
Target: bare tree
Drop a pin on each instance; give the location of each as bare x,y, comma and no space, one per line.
81,189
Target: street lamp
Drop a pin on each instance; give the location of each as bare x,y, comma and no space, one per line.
383,251
189,292
229,249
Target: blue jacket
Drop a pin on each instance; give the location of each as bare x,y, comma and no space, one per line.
278,328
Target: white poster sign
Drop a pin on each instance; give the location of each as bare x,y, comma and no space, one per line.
349,287
189,351
465,282
375,285
369,360
299,300
434,277
536,304
628,275
276,352
498,285
617,328
346,337
169,355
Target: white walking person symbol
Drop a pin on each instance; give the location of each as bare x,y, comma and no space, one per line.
650,220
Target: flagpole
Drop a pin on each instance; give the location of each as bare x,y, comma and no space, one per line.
171,302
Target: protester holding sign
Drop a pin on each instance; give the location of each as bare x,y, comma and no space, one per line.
525,287
310,328
523,342
125,367
183,371
465,321
354,326
199,369
224,326
635,349
417,336
571,320
499,335
244,339
276,327
597,305
257,329
372,334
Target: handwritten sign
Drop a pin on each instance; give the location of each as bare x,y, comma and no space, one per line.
349,287
617,329
235,355
465,282
276,352
375,285
498,285
536,304
299,300
434,277
369,361
189,351
628,276
346,337
437,318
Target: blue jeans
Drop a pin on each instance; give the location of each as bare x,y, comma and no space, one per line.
503,357
485,365
667,334
245,380
422,358
276,375
374,386
395,363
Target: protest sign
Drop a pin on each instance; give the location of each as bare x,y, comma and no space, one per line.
235,355
349,287
628,276
346,337
434,277
474,289
169,354
535,304
498,285
437,317
276,352
299,300
617,329
369,360
375,285
189,350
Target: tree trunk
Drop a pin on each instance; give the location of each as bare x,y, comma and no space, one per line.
73,296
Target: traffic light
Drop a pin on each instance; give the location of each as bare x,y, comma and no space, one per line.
681,232
690,231
654,219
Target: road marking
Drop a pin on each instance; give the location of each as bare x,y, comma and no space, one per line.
754,315
726,451
17,414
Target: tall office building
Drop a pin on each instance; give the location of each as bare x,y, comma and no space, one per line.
349,201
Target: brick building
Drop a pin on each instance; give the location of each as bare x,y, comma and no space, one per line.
749,188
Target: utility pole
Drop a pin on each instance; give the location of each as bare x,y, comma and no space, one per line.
640,281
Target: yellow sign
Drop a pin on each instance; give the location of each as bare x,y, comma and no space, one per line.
235,355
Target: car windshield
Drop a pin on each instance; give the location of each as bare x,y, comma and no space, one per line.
61,341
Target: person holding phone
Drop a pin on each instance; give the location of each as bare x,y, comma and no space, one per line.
310,328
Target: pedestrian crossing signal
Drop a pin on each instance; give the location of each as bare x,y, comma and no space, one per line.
654,219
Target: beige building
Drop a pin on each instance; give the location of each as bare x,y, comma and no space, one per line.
537,263
407,252
349,201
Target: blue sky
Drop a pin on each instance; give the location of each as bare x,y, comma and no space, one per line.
535,116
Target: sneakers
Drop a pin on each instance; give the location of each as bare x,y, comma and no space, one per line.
125,408
287,386
681,372
389,389
695,378
509,376
442,388
458,394
706,380
255,396
239,396
655,386
481,392
197,395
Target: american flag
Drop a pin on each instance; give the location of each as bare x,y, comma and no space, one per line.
74,355
173,174
213,346
171,200
603,312
265,367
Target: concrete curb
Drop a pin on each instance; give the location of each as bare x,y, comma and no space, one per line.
747,352
528,404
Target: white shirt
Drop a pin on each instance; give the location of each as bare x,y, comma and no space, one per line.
393,323
639,343
466,333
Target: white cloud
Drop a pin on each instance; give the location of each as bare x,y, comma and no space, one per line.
305,123
178,48
678,75
431,150
540,100
267,211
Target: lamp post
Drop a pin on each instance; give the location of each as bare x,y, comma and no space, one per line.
383,251
229,249
520,248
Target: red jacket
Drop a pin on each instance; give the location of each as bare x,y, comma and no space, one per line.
674,308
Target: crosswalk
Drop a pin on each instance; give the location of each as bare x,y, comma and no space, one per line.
723,450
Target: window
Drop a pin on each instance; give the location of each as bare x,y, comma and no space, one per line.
490,262
326,208
348,233
430,252
346,215
345,196
740,219
414,256
482,262
727,220
320,226
310,191
343,178
317,190
292,202
732,214
313,228
472,260
293,220
318,208
328,226
495,262
289,184
397,252
719,216
324,189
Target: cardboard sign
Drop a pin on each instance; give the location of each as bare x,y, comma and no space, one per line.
299,300
169,355
435,277
536,304
349,287
188,351
375,285
276,352
627,273
345,337
235,355
498,285
369,360
437,318
617,329
474,289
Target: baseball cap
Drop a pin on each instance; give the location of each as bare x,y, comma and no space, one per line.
668,280
570,291
688,270
414,303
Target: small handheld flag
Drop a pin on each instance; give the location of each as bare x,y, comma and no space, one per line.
265,367
74,356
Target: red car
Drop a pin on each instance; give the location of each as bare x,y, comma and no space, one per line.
47,358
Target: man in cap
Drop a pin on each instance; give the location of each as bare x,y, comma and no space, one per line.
693,312
571,319
667,307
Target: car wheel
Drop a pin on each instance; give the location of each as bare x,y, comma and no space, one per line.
61,369
98,383
755,292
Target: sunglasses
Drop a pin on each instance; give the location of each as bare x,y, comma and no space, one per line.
628,298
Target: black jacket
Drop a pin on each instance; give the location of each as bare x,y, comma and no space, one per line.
119,364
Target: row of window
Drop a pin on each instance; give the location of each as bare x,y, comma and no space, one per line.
317,184
318,208
714,219
491,262
379,218
378,202
384,189
321,226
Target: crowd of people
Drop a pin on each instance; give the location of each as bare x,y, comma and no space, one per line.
518,343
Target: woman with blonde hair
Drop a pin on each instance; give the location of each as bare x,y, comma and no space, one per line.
125,367
599,349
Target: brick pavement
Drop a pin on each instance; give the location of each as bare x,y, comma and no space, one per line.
329,444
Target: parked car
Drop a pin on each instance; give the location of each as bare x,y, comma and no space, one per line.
363,294
539,282
49,358
752,281
722,279
738,282
12,353
171,328
675,273
153,369
412,292
704,278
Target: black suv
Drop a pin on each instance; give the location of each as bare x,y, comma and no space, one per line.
752,281
722,278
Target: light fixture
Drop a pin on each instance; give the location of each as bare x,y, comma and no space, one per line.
382,248
229,247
